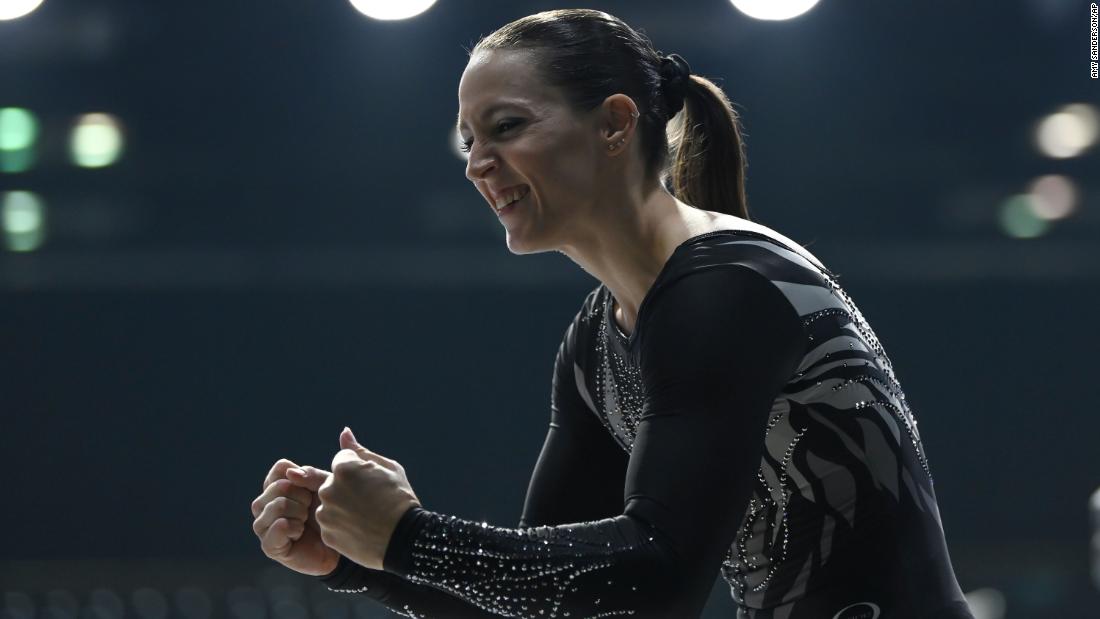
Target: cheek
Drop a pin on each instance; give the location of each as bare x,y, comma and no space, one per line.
566,170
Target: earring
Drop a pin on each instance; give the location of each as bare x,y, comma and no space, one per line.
620,142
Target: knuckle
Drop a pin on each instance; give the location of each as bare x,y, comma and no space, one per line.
302,496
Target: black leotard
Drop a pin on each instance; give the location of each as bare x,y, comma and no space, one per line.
751,425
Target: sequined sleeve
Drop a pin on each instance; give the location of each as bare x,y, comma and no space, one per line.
578,475
399,595
720,344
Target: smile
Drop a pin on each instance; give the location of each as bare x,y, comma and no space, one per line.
508,205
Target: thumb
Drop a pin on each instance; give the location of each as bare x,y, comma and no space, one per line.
347,441
307,477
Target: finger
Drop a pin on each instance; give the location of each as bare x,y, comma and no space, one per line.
347,441
280,507
276,541
278,488
309,478
278,471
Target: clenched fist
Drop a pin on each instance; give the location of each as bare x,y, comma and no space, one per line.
361,501
286,523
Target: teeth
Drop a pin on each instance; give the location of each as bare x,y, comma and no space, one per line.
504,201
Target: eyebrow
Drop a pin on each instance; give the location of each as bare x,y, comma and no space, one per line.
489,110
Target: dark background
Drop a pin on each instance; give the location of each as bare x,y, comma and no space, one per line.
289,245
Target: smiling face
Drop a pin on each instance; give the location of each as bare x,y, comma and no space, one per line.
522,134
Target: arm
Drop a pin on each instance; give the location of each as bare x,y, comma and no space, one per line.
581,470
720,344
579,474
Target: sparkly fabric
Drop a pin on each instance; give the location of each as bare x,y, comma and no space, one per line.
579,570
835,479
752,426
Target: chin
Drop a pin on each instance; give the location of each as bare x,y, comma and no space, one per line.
520,246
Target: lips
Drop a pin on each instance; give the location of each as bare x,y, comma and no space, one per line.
510,195
512,205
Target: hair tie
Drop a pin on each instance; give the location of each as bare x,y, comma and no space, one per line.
674,81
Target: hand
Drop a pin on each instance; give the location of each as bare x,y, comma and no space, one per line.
362,501
286,523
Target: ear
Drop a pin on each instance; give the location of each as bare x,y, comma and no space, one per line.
619,118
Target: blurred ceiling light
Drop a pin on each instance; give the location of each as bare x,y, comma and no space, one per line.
18,133
1053,196
1069,131
986,603
456,146
1018,218
22,215
392,9
774,9
12,9
96,140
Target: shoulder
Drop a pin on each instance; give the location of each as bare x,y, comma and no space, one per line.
727,322
718,318
577,331
715,294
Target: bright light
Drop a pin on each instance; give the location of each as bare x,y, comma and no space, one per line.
22,215
1069,131
18,133
774,9
96,141
456,146
1018,218
392,9
11,9
986,603
1053,196
18,128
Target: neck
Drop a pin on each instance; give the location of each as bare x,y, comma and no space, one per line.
626,243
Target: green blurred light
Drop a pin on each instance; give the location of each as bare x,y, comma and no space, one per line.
18,134
1018,218
12,162
22,214
96,141
18,128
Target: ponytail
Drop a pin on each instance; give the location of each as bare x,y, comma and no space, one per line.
708,154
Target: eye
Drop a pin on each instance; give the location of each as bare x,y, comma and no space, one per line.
503,126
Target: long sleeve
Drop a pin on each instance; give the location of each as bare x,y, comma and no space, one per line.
718,346
579,474
581,470
398,594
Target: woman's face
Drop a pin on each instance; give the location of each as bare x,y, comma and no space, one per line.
521,133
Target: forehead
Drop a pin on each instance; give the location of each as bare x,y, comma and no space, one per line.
497,79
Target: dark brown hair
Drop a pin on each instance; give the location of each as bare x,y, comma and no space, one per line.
590,55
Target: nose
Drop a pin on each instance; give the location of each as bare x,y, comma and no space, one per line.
478,165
